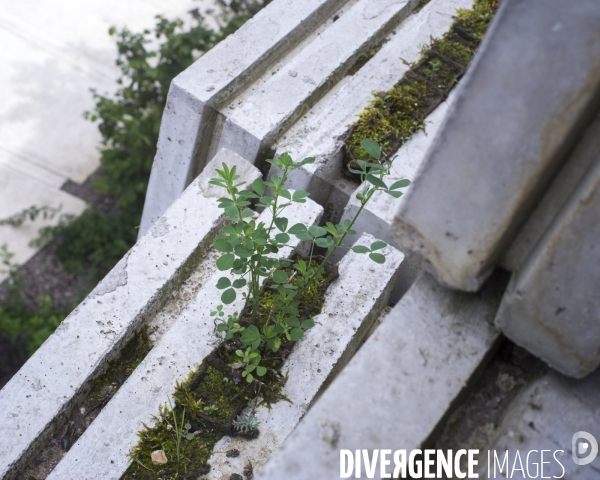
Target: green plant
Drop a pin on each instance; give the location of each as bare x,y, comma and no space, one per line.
181,430
246,422
249,252
19,323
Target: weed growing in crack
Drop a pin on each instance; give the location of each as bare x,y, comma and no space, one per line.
250,248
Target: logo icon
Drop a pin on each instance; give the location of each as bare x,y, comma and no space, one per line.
588,447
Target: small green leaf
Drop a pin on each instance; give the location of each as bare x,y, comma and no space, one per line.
293,322
306,324
281,223
187,426
249,378
360,249
223,282
372,148
222,245
375,181
395,194
242,251
225,262
259,186
400,184
377,257
228,296
260,371
285,194
299,196
239,283
378,245
317,231
279,276
296,334
189,436
322,242
247,213
282,237
221,327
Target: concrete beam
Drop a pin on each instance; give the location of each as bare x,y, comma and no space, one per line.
545,416
428,347
552,306
219,75
320,132
496,153
47,387
352,304
260,115
189,340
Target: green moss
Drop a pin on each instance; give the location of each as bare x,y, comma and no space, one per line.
216,395
392,117
105,386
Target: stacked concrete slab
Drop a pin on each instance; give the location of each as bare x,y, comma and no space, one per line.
505,173
518,115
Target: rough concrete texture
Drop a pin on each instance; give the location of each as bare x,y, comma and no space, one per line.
555,197
319,133
552,306
47,385
352,304
545,416
102,451
263,115
418,361
196,94
496,152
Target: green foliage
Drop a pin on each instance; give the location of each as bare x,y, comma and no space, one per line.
250,252
18,323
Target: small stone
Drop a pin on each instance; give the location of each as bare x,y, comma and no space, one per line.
236,476
159,457
234,452
293,73
505,382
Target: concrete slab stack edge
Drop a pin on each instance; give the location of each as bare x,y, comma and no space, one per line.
530,126
43,392
220,74
428,347
191,338
551,306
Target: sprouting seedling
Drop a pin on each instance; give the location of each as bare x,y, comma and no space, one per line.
246,422
249,251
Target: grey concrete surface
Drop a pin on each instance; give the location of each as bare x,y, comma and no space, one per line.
545,416
352,304
47,386
496,153
320,131
552,305
399,385
197,93
181,349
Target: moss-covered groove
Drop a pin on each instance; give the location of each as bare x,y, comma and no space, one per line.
214,394
393,116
